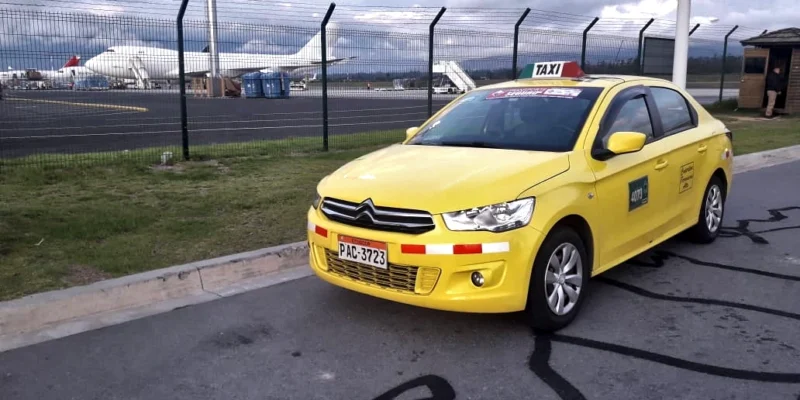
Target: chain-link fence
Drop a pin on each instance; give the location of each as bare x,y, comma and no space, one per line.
90,83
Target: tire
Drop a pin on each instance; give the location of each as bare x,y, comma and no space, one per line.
712,211
538,311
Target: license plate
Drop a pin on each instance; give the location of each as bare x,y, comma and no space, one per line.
363,251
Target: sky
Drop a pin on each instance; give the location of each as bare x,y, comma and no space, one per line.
468,29
771,15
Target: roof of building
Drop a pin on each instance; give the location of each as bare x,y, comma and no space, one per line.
788,36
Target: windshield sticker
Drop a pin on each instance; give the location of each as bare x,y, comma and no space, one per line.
534,92
562,92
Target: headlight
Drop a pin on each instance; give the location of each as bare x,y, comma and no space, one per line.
317,199
495,218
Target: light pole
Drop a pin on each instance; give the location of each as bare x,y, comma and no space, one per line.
215,81
681,54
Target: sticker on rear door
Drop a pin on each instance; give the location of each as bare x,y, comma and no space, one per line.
637,193
687,177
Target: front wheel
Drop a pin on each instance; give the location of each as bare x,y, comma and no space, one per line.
711,213
560,275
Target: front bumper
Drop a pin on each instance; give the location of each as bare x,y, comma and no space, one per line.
439,279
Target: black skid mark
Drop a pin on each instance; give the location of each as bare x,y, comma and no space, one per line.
743,226
768,377
658,257
439,387
539,363
659,296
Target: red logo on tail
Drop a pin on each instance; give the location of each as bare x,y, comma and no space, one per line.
73,62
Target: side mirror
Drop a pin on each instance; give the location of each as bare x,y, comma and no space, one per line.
410,132
621,143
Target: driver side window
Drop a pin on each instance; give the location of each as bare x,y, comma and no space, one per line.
633,117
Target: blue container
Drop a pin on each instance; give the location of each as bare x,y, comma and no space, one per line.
275,85
287,85
252,85
93,82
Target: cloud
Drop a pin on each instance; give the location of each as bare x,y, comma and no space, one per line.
640,9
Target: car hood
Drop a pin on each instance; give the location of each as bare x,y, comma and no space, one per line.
441,179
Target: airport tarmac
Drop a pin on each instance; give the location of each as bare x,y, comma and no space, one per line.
63,121
73,122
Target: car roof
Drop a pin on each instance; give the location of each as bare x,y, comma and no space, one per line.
602,81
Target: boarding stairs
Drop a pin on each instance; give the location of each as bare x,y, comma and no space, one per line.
140,72
456,74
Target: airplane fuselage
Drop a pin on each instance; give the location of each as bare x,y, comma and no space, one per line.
67,73
20,74
121,62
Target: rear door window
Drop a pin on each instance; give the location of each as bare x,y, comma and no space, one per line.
674,110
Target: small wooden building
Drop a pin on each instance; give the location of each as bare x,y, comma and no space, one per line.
762,54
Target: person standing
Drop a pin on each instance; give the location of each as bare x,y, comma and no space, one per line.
774,88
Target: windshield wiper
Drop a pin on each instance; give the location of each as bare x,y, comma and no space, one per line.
468,144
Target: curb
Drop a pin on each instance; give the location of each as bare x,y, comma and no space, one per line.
51,315
38,317
764,159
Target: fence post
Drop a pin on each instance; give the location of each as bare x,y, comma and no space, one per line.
583,46
694,29
639,63
182,82
516,43
430,61
324,59
724,56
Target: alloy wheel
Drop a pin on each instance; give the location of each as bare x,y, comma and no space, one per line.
714,209
563,279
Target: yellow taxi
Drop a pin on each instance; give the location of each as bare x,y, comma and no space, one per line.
514,195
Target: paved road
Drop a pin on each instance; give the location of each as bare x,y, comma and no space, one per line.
708,322
71,122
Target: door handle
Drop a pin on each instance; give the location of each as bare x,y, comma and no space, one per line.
661,164
702,148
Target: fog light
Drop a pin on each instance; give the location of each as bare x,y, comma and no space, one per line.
477,279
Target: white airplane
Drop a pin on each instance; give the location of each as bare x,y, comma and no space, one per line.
69,72
20,74
152,63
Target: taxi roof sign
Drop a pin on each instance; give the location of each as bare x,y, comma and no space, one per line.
552,69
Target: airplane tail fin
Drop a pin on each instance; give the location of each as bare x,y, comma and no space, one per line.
73,62
312,51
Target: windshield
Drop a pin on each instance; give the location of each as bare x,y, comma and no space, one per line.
531,118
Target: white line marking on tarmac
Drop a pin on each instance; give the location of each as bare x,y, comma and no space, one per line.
71,103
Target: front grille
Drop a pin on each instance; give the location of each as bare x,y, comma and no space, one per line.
398,277
367,215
